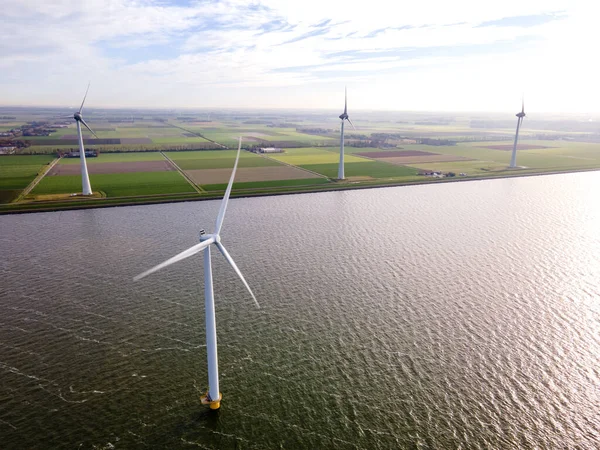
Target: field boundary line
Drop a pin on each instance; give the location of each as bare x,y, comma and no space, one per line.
320,175
37,179
197,134
197,188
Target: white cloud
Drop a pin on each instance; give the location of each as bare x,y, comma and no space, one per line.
151,53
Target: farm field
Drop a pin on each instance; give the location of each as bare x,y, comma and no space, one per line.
218,159
248,174
306,182
366,170
256,135
17,172
160,152
116,158
117,185
213,167
314,155
113,167
557,156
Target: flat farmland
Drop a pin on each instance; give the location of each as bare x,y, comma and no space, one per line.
218,159
468,167
113,167
402,157
404,160
371,169
17,172
117,158
509,147
228,135
249,174
117,185
395,153
278,184
554,155
313,155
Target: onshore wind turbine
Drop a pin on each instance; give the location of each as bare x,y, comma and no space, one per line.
213,396
343,116
520,115
86,188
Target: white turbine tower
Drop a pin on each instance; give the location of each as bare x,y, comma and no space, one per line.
213,396
343,116
86,188
520,115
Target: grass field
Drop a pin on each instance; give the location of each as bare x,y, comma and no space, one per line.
209,154
371,169
118,185
266,184
313,155
117,157
248,174
561,155
255,134
16,172
218,159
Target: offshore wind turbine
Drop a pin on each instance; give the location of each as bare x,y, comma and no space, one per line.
213,395
343,116
86,188
520,115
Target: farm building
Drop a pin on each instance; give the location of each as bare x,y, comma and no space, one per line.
270,150
88,154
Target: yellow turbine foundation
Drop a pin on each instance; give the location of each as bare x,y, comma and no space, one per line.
212,404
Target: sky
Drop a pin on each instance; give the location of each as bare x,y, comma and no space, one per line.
430,55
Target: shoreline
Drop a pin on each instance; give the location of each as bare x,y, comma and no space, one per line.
344,187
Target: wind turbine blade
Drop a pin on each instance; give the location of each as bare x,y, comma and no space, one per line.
232,263
345,100
227,192
84,97
183,255
92,131
348,119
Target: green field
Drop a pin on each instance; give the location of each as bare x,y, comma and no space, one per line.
255,135
313,155
118,185
267,184
561,155
218,159
117,157
372,169
569,142
16,172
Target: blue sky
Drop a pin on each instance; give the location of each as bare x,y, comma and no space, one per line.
427,55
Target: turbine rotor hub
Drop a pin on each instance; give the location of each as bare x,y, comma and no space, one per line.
343,116
77,116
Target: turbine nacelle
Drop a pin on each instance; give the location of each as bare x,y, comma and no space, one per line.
77,116
520,114
207,237
344,116
213,238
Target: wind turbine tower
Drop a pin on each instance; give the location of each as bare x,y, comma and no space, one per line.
343,116
86,188
520,115
213,396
